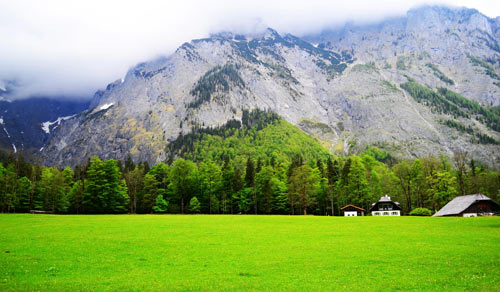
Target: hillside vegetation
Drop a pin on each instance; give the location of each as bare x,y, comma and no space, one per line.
259,165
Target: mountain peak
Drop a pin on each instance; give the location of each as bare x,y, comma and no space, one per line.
348,90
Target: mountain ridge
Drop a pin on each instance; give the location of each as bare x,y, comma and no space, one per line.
351,86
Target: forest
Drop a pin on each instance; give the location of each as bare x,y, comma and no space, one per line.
262,165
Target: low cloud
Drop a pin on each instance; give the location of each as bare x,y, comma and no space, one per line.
73,48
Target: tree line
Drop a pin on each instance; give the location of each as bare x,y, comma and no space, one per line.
243,184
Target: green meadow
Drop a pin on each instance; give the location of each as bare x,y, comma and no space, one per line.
242,253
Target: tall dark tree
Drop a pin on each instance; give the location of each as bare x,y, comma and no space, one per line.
250,173
104,191
182,178
460,161
250,182
303,184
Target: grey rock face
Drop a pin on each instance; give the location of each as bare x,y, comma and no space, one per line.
344,90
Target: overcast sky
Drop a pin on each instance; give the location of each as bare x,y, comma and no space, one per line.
61,47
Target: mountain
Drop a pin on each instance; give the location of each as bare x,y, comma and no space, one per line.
427,83
26,124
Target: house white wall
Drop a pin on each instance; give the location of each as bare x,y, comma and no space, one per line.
386,213
470,215
350,213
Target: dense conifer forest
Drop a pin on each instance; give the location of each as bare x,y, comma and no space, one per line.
261,165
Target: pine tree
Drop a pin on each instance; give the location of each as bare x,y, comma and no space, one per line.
250,173
24,194
264,189
104,191
211,183
303,184
182,179
150,193
332,174
161,206
194,205
228,186
357,187
75,197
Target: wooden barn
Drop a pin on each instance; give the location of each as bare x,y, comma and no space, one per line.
470,206
385,207
351,210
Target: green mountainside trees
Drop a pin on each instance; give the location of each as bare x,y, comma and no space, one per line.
445,101
262,165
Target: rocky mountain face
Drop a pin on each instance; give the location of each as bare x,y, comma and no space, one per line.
26,125
349,88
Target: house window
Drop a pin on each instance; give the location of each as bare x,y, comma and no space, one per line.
377,214
394,213
386,213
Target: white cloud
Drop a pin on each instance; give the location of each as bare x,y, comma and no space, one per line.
76,47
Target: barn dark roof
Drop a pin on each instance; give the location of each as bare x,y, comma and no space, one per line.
460,204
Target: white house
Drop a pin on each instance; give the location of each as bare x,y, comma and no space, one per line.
385,207
351,210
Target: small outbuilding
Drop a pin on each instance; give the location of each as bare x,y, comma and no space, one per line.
351,210
385,207
470,206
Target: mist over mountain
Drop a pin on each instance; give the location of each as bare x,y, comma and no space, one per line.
61,48
423,84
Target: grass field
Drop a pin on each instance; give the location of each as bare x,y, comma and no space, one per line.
233,253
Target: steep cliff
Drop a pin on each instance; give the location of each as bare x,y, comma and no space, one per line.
349,88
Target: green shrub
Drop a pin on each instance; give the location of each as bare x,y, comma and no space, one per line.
420,212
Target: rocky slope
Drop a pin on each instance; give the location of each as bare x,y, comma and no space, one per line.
342,87
26,125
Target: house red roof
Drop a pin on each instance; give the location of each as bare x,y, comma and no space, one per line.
361,209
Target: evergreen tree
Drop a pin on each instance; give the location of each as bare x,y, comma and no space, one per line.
75,197
129,164
211,183
52,190
24,194
250,173
332,173
194,206
228,186
264,189
134,180
150,194
250,183
160,206
280,196
115,188
303,184
357,186
104,191
242,200
182,179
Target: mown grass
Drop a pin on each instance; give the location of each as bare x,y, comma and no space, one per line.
234,253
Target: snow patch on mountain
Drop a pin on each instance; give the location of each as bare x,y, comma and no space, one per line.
46,125
106,106
6,132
